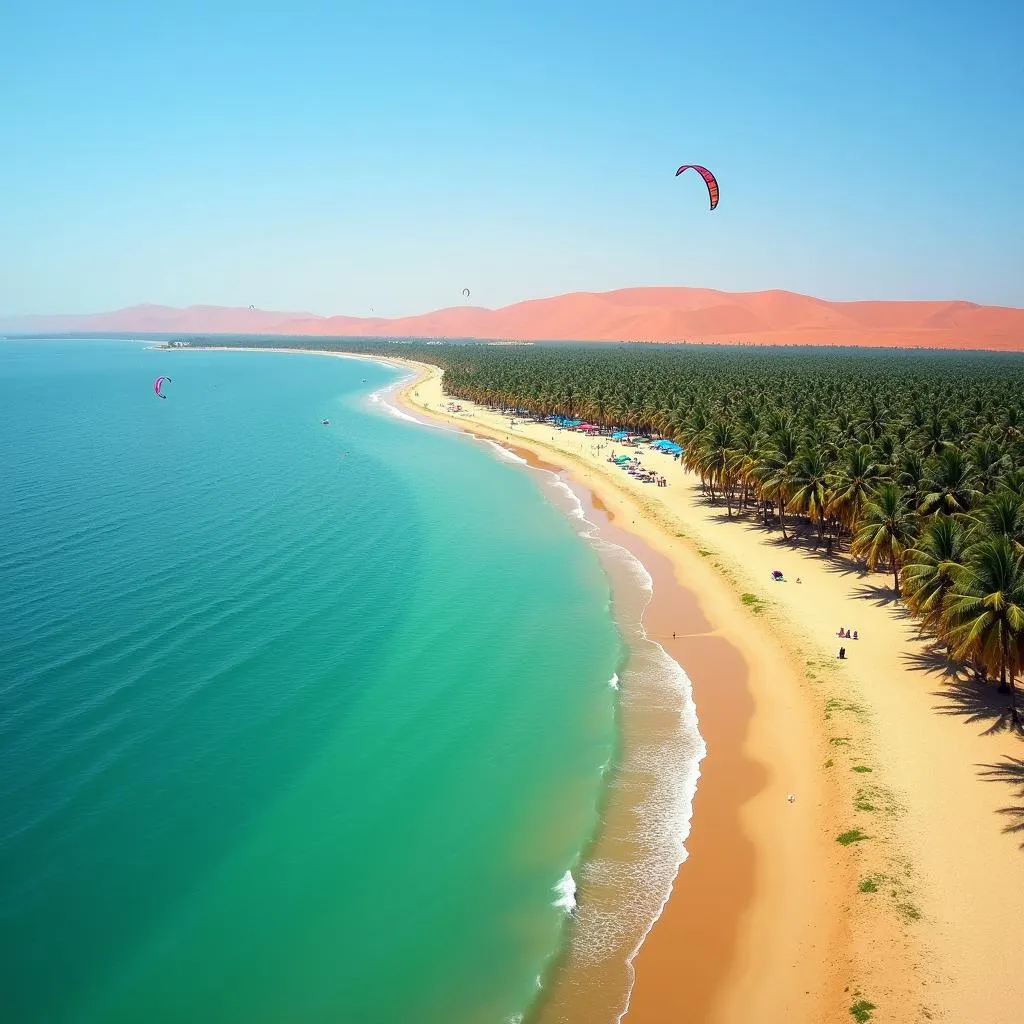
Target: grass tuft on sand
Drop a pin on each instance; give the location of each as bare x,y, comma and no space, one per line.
862,1010
853,835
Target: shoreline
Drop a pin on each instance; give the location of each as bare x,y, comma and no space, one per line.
692,963
715,873
912,917
578,987
908,881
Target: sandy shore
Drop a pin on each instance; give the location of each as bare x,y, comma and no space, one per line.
916,915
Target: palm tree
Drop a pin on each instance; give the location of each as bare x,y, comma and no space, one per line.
1002,515
779,470
717,460
810,488
1013,481
884,454
929,567
950,484
745,455
853,485
985,613
911,475
989,463
888,530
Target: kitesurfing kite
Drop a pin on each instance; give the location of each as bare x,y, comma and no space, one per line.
159,383
465,293
709,180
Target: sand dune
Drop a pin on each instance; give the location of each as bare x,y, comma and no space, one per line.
631,314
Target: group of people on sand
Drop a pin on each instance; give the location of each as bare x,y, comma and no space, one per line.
844,634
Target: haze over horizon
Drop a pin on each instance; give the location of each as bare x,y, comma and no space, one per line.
343,160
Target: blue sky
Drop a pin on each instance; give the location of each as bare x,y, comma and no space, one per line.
335,157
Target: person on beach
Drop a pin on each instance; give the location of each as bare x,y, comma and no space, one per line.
842,654
855,634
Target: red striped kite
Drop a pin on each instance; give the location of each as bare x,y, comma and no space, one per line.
709,180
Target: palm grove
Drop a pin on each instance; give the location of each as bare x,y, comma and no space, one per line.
909,461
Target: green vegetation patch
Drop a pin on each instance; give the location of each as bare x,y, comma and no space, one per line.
876,799
854,835
834,704
862,1010
861,768
863,801
839,741
754,603
909,912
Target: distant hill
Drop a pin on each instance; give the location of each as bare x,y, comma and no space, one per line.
630,314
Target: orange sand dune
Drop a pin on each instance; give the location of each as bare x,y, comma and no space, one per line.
630,314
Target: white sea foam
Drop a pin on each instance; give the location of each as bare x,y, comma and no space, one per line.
565,893
575,508
614,681
659,779
507,455
381,398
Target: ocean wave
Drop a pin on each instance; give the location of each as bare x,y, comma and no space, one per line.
657,781
380,398
614,681
508,456
565,893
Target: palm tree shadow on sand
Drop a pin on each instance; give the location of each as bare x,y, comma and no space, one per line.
1010,771
962,694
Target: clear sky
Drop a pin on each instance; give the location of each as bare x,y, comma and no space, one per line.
333,157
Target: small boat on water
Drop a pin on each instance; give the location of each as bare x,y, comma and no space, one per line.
326,423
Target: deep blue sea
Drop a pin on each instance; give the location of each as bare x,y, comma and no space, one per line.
299,722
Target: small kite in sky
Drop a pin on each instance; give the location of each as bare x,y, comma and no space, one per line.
709,180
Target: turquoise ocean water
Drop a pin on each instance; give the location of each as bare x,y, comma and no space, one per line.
298,722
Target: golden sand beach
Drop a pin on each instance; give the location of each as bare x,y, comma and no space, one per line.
893,878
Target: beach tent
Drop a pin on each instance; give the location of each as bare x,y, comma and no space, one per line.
620,435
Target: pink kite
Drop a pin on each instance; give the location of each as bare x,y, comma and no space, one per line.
159,383
709,180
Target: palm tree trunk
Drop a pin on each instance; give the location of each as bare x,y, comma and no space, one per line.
1014,713
782,519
